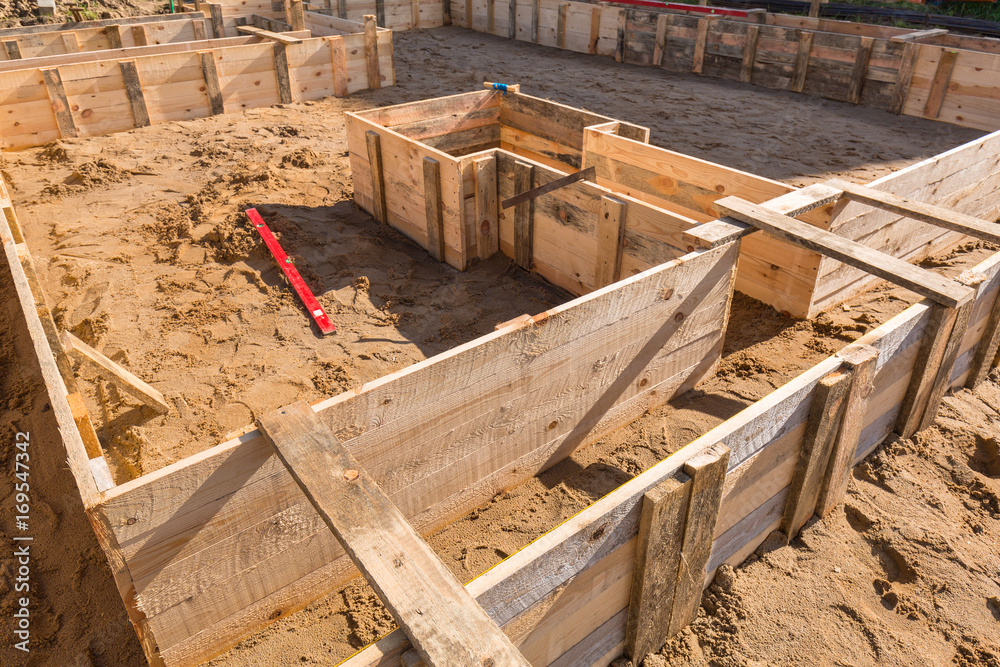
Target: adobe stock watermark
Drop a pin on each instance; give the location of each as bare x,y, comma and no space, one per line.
22,544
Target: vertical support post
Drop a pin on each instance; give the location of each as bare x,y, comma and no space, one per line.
610,241
814,9
374,145
901,89
371,53
139,35
561,25
802,61
13,49
133,90
446,9
939,85
861,59
296,18
415,13
699,46
198,25
861,360
986,356
433,208
212,87
60,105
662,21
620,36
342,8
708,475
380,12
281,72
469,23
218,27
70,42
490,16
825,415
338,58
749,53
657,559
595,29
524,216
534,21
512,19
487,229
114,33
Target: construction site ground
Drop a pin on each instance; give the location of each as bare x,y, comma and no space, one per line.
143,251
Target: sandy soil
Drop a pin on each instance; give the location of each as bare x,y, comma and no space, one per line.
143,253
15,13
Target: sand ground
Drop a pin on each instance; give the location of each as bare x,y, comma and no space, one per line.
143,252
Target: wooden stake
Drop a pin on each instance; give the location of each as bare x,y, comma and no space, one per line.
371,53
490,18
133,90
60,105
698,61
814,8
907,64
447,12
218,27
708,475
939,85
70,42
439,617
342,8
374,143
861,360
610,240
561,25
534,21
199,29
662,21
139,35
749,54
620,43
212,87
801,61
861,59
657,559
488,236
925,368
825,415
433,208
338,57
114,33
380,12
13,49
296,17
986,355
595,29
109,370
281,72
511,18
524,216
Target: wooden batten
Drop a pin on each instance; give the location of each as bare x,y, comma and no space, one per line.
13,49
213,89
904,76
595,28
610,241
560,25
987,354
338,58
432,203
486,223
133,90
662,21
939,85
524,216
511,19
802,61
860,71
749,54
218,24
60,105
113,372
371,53
114,34
139,35
620,33
281,73
374,144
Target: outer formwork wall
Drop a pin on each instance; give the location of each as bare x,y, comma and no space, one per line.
872,70
564,598
93,98
395,14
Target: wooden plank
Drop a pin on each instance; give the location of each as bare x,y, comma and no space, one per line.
861,360
371,53
486,223
825,415
432,204
918,34
218,25
925,368
707,471
113,372
887,267
511,19
374,144
901,88
342,8
524,216
620,35
60,105
267,34
114,33
380,13
213,90
296,17
749,54
82,418
595,29
801,61
70,42
698,61
857,80
560,25
415,13
662,21
939,85
199,29
281,72
338,59
139,35
133,89
935,215
13,49
584,174
955,337
442,620
986,353
534,19
657,560
610,240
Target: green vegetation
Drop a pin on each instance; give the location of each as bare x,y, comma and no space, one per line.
984,11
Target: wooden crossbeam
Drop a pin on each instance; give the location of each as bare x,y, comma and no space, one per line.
923,282
935,215
267,34
440,618
113,372
584,174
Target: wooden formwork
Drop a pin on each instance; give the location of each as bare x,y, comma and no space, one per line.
105,91
948,78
